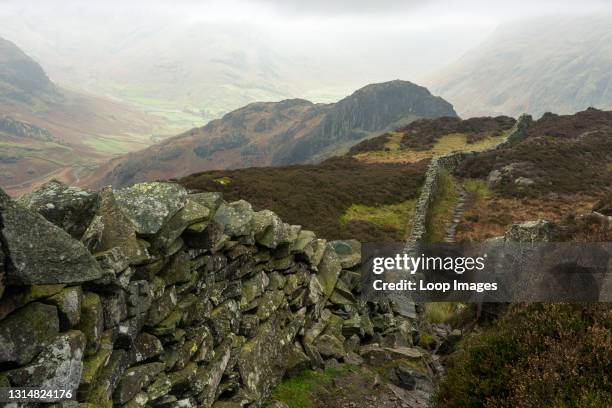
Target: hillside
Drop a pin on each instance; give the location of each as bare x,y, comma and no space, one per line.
369,193
151,289
562,167
48,131
536,66
286,132
562,170
22,80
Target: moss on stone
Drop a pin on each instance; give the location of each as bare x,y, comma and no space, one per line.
299,391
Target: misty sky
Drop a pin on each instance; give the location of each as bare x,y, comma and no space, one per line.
318,49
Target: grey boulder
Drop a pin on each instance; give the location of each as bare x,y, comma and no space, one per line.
40,252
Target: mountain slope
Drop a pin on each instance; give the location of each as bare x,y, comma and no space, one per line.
22,80
536,66
562,167
46,130
287,132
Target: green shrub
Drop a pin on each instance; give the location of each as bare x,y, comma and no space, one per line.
540,355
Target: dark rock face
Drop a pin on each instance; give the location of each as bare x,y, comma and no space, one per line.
26,130
41,253
370,109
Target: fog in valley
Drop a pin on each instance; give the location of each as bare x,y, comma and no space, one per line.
193,61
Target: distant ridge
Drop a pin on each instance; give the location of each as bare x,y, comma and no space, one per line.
278,133
536,66
22,80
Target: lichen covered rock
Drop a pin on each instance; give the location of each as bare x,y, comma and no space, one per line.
58,366
263,358
24,333
70,208
235,218
329,271
40,252
348,251
111,228
176,300
150,205
68,303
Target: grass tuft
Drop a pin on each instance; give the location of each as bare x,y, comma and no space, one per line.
395,216
440,312
298,392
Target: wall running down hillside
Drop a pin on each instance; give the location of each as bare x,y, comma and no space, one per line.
152,296
449,163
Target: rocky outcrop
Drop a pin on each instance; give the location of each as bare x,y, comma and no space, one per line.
22,80
14,127
171,299
372,108
277,133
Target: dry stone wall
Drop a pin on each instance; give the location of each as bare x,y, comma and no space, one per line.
154,296
450,163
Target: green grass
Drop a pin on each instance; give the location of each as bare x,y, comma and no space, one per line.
440,312
442,208
454,142
108,145
427,341
298,392
224,181
396,216
477,187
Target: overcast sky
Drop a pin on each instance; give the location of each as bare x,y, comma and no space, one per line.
348,43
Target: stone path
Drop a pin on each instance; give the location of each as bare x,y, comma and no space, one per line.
457,215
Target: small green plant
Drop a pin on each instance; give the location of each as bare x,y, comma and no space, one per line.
477,187
440,312
224,181
427,341
298,391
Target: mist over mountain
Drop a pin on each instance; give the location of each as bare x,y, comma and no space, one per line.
287,132
47,130
559,65
22,80
191,63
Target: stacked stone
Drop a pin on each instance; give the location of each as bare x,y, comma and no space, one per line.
450,162
152,296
